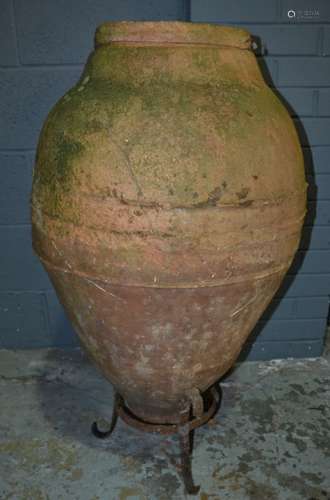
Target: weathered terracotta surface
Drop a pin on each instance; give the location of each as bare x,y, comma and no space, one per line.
168,199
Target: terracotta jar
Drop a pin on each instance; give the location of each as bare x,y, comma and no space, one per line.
168,199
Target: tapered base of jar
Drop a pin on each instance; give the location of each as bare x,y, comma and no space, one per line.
184,424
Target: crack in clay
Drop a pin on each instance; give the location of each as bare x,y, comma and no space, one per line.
129,167
103,289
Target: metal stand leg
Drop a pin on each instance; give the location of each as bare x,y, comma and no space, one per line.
186,444
194,412
104,434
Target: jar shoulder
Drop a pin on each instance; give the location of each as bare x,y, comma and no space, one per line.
182,144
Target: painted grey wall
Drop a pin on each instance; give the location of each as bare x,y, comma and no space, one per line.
43,45
293,50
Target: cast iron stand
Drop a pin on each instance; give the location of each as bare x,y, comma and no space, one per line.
187,424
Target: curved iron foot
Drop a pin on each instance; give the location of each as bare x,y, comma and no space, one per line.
104,434
186,448
191,488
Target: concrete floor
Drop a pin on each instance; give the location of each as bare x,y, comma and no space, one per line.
270,440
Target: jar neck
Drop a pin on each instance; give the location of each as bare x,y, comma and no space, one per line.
169,33
138,64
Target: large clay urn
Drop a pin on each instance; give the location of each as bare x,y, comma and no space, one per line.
168,199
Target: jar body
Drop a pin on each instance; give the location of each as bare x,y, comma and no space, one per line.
167,205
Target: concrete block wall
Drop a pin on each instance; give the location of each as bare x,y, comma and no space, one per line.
292,42
43,46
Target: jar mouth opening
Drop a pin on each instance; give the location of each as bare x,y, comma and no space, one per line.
171,33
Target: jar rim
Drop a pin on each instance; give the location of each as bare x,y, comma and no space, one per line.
171,33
